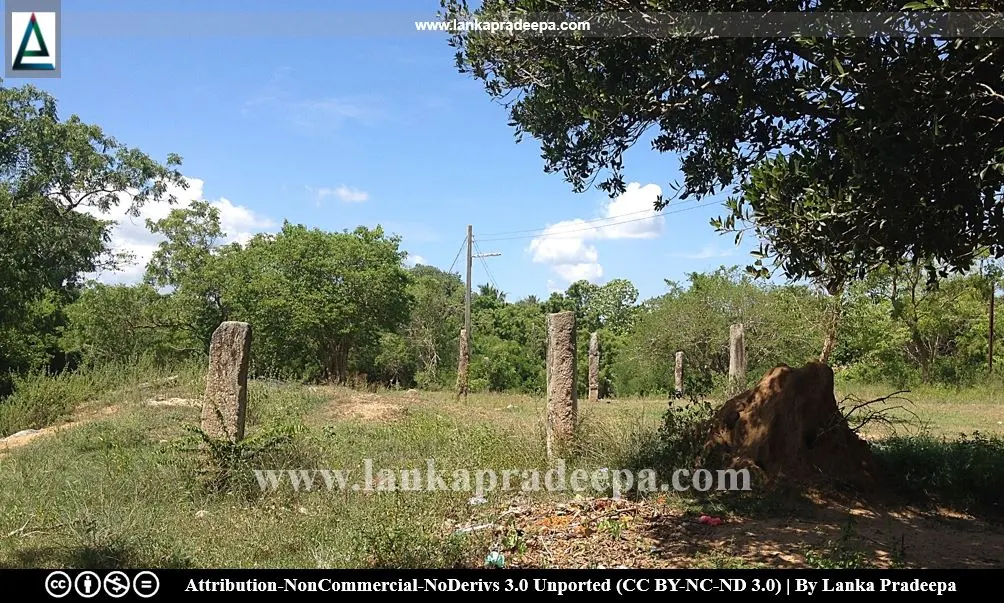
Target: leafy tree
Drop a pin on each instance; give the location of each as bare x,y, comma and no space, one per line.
782,324
395,361
184,263
867,149
124,323
57,178
433,328
315,296
509,344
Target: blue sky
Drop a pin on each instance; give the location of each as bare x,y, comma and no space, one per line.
334,129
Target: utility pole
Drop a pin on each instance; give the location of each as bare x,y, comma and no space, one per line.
467,298
465,347
990,353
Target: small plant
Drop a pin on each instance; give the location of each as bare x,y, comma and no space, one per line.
399,547
225,466
899,553
684,431
839,554
513,541
612,527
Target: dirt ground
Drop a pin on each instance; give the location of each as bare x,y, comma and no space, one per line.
656,533
366,406
613,533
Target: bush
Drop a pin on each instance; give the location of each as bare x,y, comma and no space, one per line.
968,471
40,400
225,467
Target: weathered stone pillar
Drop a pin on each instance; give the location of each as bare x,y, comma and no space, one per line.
463,384
225,406
594,367
562,397
737,359
678,374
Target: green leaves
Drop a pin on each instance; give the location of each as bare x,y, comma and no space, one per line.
57,179
314,296
867,150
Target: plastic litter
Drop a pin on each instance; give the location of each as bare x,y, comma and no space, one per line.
495,559
710,520
469,529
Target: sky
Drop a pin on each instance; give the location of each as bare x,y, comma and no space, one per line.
338,114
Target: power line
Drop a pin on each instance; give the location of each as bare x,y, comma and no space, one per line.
459,251
491,277
557,235
531,230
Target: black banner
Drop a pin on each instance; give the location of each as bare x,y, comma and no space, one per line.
140,585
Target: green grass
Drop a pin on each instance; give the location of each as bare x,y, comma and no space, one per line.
939,411
965,472
140,488
41,400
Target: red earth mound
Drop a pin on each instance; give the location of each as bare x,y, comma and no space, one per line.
789,428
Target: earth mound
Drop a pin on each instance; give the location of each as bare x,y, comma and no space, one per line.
789,428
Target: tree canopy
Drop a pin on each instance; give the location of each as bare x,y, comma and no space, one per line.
58,177
841,154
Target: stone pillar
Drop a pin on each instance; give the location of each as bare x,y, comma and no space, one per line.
562,397
463,384
225,406
678,374
737,359
594,367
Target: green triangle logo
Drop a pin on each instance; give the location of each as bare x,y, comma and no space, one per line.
43,50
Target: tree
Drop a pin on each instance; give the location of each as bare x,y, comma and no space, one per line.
433,328
782,324
122,323
869,149
184,263
57,179
314,296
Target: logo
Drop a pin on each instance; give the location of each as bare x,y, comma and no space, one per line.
87,584
145,584
33,44
58,584
116,584
33,40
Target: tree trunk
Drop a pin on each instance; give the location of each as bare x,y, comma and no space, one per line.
832,324
338,362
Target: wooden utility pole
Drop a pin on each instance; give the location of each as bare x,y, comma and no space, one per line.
467,298
465,334
990,352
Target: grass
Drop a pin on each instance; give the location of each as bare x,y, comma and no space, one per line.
966,472
41,400
141,488
936,411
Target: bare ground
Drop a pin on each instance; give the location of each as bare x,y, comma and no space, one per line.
653,534
82,416
347,404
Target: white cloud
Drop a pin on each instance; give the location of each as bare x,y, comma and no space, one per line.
414,260
344,193
576,272
130,234
567,248
705,253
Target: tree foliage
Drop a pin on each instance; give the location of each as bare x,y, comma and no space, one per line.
841,154
314,296
57,179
